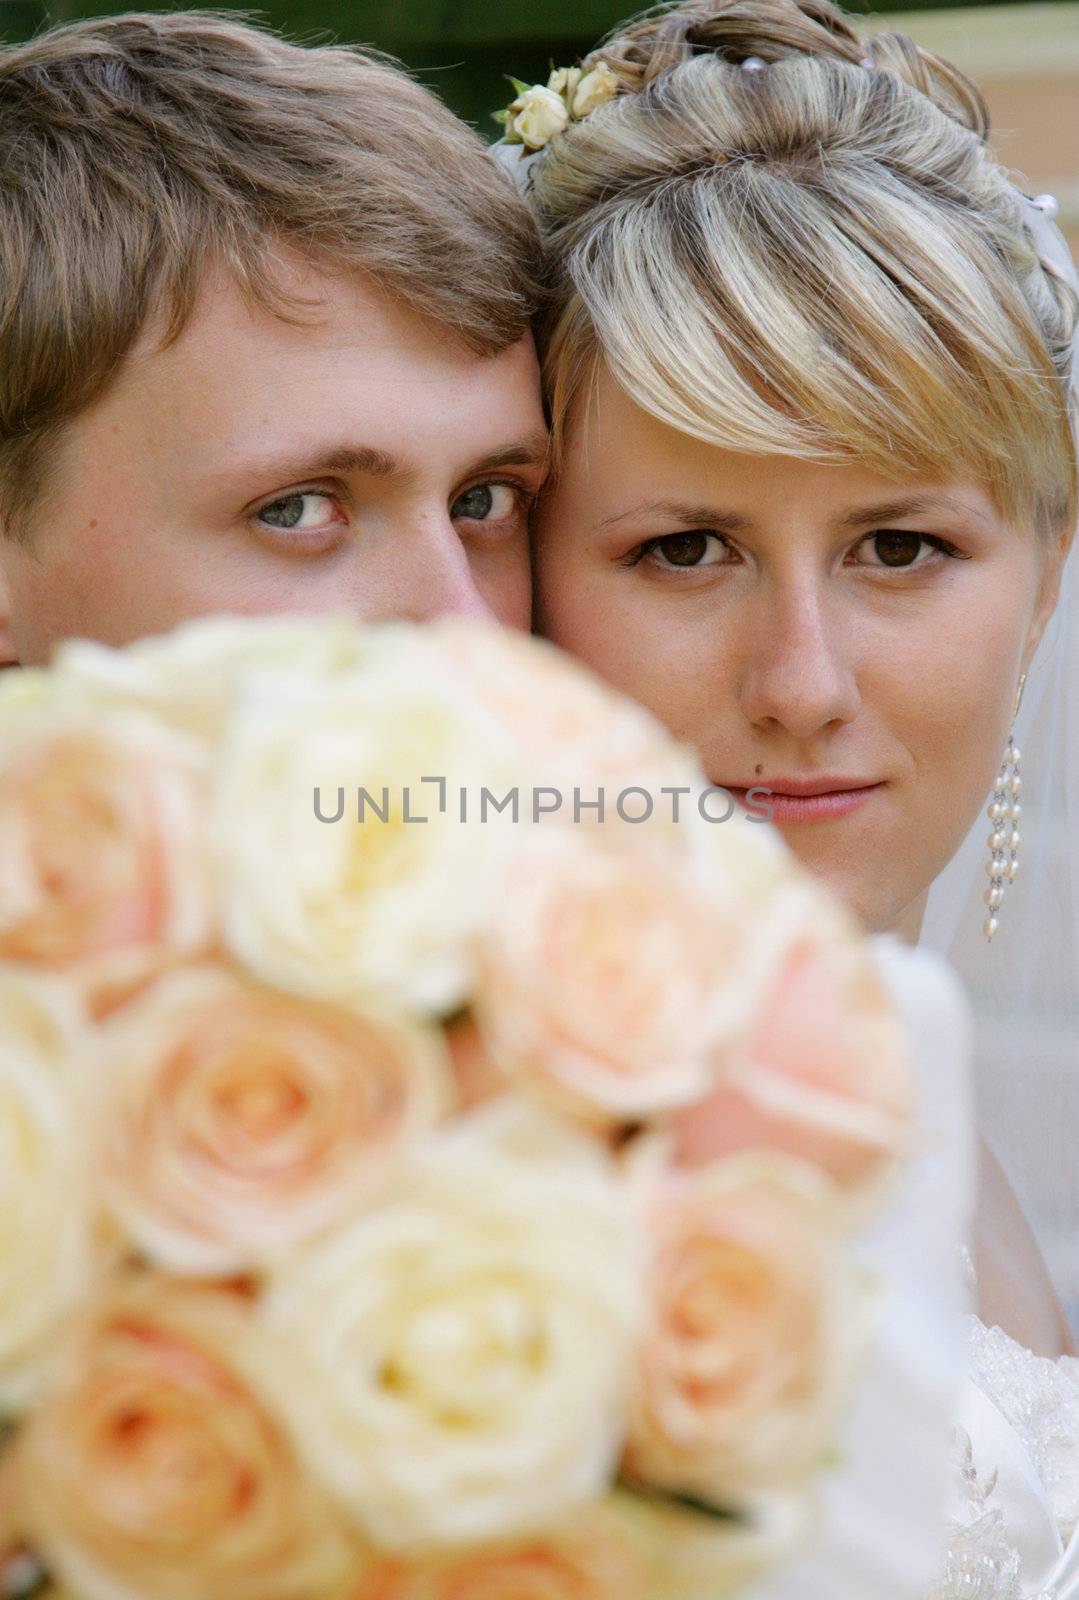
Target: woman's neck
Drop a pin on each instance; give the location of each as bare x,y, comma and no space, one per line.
908,924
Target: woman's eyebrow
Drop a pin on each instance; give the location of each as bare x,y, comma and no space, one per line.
915,505
687,515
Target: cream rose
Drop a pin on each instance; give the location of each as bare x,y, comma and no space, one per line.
382,909
693,1555
537,115
50,1251
101,848
608,981
196,676
596,87
152,1472
234,1122
825,1074
749,1330
459,1356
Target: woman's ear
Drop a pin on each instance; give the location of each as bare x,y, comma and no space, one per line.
1048,592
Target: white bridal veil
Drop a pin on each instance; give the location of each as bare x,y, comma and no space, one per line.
1025,985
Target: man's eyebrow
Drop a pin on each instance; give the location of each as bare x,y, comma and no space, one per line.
688,516
360,458
915,505
533,451
274,470
366,461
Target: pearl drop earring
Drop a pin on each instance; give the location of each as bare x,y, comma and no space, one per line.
1004,813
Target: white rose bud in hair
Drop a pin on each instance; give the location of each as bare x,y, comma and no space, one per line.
595,87
458,1358
537,115
564,81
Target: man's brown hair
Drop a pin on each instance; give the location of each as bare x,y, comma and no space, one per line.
136,149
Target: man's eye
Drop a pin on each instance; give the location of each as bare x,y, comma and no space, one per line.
486,502
688,549
299,512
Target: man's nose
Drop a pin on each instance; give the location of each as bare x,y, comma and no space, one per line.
799,675
429,575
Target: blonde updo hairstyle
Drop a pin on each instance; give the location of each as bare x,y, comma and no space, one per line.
818,258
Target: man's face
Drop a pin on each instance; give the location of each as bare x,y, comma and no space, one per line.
362,462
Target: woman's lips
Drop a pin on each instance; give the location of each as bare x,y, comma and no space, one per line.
796,804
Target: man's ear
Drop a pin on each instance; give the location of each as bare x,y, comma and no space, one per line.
8,658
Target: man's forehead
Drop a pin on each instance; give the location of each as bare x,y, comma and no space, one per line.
313,307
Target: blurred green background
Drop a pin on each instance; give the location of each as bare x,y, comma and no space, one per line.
463,48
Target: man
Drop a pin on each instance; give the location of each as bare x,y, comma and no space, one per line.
264,341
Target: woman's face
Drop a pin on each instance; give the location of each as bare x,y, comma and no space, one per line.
851,642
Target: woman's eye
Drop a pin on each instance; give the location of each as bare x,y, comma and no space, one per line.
300,513
688,550
486,502
899,547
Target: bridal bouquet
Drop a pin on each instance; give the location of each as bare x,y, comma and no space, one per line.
432,1133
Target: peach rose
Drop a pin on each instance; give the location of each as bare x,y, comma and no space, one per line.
574,740
825,1074
236,1121
151,1472
608,981
566,726
50,1251
100,847
594,1558
624,1547
738,1372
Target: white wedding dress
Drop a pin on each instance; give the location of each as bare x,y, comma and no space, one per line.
1014,1524
1001,1522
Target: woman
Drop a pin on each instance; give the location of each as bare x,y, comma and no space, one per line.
816,480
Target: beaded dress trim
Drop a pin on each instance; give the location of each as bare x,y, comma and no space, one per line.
1039,1397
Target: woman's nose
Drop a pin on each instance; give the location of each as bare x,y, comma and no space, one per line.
798,674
